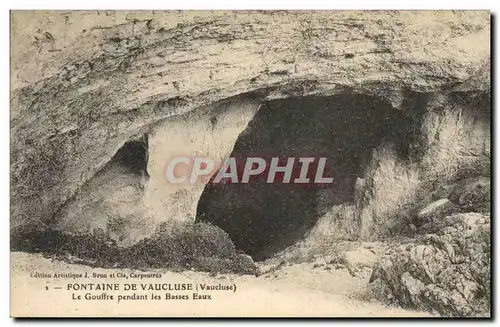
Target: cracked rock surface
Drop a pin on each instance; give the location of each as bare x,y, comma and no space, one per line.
446,267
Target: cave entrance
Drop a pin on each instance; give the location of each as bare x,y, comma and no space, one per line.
264,218
133,156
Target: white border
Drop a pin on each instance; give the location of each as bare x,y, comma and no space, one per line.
192,4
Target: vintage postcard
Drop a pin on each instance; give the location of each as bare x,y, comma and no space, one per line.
250,163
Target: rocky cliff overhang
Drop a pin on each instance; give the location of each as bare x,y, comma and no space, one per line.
84,83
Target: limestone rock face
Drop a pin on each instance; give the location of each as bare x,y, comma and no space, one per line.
446,270
211,134
84,83
445,266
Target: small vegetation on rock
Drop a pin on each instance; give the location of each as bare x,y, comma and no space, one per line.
177,247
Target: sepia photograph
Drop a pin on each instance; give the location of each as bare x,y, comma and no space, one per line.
250,163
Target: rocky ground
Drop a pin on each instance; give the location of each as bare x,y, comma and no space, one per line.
432,260
444,266
434,257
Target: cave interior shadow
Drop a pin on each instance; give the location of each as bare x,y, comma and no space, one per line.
263,218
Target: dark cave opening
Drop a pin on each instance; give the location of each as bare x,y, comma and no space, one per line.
130,159
264,218
133,156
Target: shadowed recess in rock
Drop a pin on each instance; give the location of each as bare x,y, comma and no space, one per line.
263,218
110,202
134,155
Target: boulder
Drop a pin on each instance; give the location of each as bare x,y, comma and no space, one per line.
432,212
473,194
361,257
